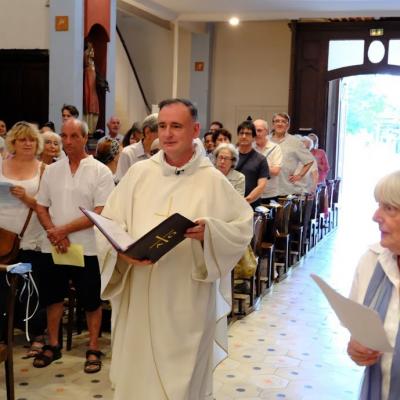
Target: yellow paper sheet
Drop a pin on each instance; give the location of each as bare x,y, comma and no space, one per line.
74,256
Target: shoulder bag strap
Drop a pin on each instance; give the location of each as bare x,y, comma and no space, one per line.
28,218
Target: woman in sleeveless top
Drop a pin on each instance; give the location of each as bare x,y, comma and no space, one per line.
22,170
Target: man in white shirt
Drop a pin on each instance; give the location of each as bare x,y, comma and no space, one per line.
273,153
77,180
140,150
113,125
293,153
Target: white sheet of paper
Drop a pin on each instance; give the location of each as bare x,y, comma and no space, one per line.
115,234
364,324
6,198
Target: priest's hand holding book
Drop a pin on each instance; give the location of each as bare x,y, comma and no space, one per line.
196,232
154,244
130,260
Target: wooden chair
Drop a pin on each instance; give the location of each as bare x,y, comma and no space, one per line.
264,250
307,210
282,262
330,184
6,348
296,229
75,318
248,288
322,214
313,225
335,201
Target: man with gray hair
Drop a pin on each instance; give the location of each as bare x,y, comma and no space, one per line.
273,154
74,181
140,150
113,126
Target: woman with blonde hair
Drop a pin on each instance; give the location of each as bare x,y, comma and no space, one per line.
22,171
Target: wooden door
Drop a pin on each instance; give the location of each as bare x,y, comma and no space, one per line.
24,86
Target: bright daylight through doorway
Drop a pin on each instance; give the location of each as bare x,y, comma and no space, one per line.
370,131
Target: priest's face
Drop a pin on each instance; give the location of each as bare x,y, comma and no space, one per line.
176,132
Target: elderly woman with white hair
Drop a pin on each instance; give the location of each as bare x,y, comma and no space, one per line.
52,147
377,285
226,158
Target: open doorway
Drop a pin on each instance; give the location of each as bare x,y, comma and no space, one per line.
368,145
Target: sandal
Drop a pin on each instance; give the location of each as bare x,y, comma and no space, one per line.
34,350
47,356
93,365
36,347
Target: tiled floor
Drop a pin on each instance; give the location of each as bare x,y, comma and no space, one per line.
292,347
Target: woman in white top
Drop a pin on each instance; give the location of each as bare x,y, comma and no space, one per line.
226,157
22,171
376,284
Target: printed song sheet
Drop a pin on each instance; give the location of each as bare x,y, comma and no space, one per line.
364,324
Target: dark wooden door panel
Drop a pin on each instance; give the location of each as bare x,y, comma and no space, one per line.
24,86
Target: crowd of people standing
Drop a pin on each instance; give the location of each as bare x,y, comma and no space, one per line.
158,168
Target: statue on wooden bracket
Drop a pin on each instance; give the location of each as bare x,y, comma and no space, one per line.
90,98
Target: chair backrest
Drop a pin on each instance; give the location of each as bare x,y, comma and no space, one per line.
283,216
307,211
330,184
322,198
336,190
296,212
259,226
315,206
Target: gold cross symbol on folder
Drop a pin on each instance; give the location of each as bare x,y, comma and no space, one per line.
168,211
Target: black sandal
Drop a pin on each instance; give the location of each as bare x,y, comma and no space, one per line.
93,366
43,360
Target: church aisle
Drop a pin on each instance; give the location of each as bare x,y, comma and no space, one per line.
291,348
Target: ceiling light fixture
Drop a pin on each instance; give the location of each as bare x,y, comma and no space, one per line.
234,21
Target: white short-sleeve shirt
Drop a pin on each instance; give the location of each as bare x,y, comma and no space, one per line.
273,153
63,193
130,155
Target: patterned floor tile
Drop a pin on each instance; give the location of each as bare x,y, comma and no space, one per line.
291,348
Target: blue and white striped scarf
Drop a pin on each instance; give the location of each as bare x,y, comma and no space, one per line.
378,295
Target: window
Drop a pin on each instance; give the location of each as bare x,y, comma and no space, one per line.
376,51
394,52
344,53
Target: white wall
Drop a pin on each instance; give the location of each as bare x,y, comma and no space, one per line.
24,24
129,104
184,63
251,71
151,49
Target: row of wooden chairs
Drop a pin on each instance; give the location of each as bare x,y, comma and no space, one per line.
283,234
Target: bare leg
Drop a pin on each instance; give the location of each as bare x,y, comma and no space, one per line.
93,319
54,314
49,354
93,363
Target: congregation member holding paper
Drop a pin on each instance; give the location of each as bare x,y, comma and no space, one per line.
69,251
377,285
20,230
169,317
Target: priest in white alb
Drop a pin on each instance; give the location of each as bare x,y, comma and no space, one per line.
169,318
